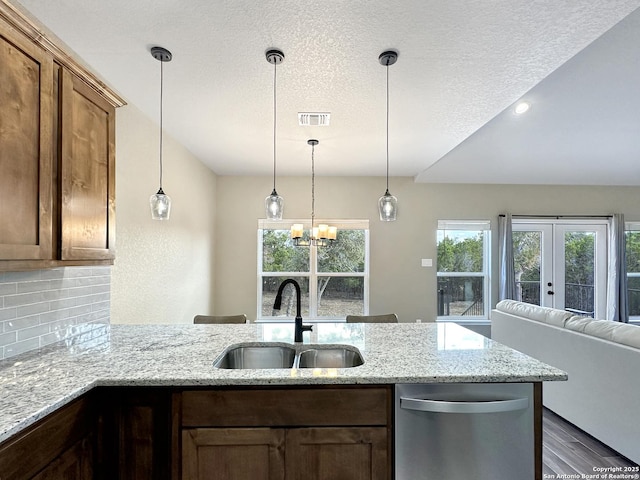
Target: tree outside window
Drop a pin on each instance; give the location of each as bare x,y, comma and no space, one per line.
633,269
333,279
463,260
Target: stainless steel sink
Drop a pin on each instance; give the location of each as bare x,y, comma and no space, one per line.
257,356
283,355
342,356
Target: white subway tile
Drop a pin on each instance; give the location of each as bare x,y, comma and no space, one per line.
38,308
21,322
32,332
21,347
8,338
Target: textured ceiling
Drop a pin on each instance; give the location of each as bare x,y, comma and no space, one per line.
461,63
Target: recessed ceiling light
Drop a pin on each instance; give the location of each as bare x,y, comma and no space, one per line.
521,107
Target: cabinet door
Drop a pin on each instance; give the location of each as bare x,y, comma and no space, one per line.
26,126
233,453
87,173
74,464
348,453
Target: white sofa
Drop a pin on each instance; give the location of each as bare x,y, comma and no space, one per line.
602,359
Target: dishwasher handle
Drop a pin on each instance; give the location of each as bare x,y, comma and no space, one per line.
463,406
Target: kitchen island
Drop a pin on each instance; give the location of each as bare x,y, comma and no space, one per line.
179,358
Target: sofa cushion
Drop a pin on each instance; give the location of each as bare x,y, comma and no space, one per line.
601,328
577,323
626,334
558,317
535,312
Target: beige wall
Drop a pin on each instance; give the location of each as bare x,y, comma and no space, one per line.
163,271
398,281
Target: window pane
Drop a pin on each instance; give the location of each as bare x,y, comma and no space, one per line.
340,296
345,254
460,251
460,296
288,307
527,248
633,252
579,272
280,255
633,267
634,296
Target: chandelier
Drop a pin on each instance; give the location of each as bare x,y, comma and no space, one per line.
321,235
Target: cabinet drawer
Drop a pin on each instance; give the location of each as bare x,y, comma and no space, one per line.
318,406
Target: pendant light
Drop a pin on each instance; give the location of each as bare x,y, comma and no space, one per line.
388,204
274,203
319,236
160,202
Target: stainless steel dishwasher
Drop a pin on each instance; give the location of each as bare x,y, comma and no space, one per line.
465,431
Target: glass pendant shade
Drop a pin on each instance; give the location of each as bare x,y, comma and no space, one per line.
388,206
274,205
160,206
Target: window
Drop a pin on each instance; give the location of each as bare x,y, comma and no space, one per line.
463,269
334,280
633,268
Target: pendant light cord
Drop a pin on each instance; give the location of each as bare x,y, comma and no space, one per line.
161,116
387,193
275,77
313,187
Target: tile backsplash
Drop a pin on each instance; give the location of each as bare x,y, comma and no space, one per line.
45,306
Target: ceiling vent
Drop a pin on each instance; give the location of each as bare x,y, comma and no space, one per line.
308,119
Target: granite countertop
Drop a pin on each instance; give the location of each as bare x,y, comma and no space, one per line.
35,384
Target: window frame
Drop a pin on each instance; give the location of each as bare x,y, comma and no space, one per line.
470,226
313,274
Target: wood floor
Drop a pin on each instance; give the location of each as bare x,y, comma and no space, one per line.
568,450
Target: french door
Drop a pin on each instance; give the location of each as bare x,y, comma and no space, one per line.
562,264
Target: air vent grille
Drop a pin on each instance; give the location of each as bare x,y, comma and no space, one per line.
313,119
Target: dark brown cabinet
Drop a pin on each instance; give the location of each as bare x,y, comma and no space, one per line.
146,433
353,453
57,154
319,433
74,464
135,433
60,445
251,453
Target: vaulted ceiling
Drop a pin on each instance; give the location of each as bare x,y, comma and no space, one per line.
461,67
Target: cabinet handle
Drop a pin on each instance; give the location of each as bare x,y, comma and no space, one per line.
550,292
447,406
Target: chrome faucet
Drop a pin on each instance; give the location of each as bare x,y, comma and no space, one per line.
276,306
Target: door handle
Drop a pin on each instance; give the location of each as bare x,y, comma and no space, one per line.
444,406
550,292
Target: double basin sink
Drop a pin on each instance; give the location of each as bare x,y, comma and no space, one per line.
285,355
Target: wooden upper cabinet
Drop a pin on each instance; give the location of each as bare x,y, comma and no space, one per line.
87,172
57,153
26,129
